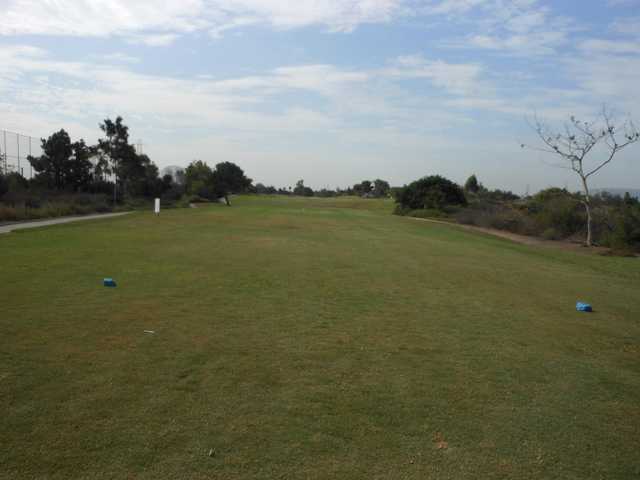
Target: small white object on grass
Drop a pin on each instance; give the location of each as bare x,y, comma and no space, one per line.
150,331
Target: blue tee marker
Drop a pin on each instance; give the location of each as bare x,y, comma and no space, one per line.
109,282
583,307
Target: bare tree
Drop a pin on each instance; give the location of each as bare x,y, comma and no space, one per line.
578,139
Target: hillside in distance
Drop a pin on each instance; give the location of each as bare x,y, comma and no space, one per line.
634,192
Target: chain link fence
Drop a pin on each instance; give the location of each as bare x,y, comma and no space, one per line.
15,148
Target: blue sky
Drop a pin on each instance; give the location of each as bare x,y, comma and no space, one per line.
330,91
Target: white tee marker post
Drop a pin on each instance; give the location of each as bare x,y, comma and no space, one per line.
157,207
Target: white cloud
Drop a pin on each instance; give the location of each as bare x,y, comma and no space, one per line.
531,43
340,98
516,27
627,26
450,7
117,57
601,46
610,79
346,107
623,3
458,79
339,15
147,22
97,17
154,40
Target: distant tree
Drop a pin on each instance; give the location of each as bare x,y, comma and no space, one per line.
136,169
146,182
80,171
325,193
577,140
229,178
395,192
101,167
497,194
629,200
63,165
198,178
116,156
167,182
302,190
430,192
362,188
471,185
113,150
52,167
381,188
170,189
107,149
262,189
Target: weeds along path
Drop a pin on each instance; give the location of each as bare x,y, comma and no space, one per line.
522,239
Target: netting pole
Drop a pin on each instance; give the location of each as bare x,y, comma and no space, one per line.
18,143
4,132
30,164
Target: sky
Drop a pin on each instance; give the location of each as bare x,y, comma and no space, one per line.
332,91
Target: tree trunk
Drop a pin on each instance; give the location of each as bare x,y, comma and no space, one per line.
588,209
587,205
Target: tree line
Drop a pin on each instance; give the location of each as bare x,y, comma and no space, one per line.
367,189
73,177
111,166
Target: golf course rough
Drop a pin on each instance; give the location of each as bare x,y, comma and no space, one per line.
312,338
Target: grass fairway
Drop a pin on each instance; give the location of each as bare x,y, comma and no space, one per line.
312,339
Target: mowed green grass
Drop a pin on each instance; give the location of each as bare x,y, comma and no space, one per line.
313,339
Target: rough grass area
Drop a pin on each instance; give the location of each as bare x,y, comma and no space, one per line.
309,338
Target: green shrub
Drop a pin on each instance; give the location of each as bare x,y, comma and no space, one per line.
400,210
551,234
16,182
427,213
507,219
625,231
490,214
434,192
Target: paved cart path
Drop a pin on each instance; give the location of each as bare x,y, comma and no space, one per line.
56,221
